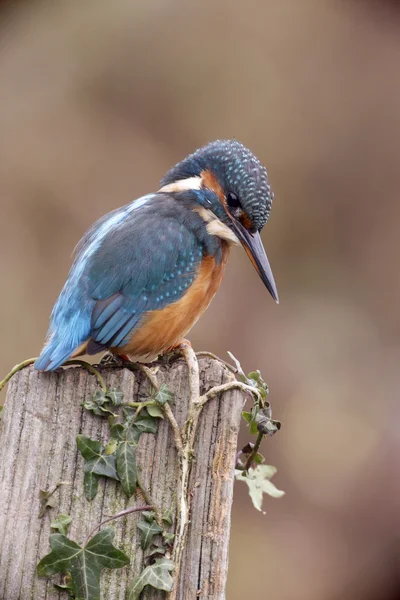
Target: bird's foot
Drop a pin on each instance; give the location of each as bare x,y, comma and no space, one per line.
184,343
117,360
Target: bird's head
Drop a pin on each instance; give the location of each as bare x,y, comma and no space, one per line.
233,194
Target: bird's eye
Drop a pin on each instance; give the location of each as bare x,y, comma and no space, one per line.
232,200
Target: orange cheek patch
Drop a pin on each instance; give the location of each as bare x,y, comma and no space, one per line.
211,182
245,221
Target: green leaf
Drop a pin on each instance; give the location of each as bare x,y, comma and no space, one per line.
147,532
61,523
111,446
117,432
258,483
155,412
253,429
103,464
87,447
115,396
84,564
156,550
132,434
168,517
100,400
65,588
157,576
168,538
259,459
96,462
91,485
149,515
163,395
255,375
247,416
146,424
126,467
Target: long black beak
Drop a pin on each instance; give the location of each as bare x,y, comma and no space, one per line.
252,244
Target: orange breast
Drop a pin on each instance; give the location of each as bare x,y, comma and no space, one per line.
162,329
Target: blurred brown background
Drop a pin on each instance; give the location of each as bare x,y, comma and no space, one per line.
99,98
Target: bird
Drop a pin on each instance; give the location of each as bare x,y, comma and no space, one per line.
143,274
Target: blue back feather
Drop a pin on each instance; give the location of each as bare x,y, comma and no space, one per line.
139,258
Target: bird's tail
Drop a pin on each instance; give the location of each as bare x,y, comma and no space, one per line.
53,355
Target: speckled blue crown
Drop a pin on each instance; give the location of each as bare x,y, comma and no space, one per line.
237,170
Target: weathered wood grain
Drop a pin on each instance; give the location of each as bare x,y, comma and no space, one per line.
42,416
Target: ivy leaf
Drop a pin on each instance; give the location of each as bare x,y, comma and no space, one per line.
253,429
163,395
157,575
149,515
147,532
247,416
146,424
258,482
259,458
168,517
65,588
168,538
96,462
87,447
61,523
250,418
156,550
117,432
100,400
91,485
126,467
111,446
47,500
155,411
115,396
84,564
103,464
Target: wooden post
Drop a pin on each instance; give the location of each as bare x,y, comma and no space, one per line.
42,416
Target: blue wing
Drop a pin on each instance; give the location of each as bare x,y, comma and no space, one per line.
137,259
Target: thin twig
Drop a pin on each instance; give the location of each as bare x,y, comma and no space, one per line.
166,408
225,387
205,354
25,363
148,499
175,428
194,376
89,368
139,404
123,513
256,448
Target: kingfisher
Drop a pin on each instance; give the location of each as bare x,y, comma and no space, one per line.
144,273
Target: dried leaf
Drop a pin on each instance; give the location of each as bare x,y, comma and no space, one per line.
258,482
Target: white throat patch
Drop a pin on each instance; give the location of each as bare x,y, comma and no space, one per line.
216,227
